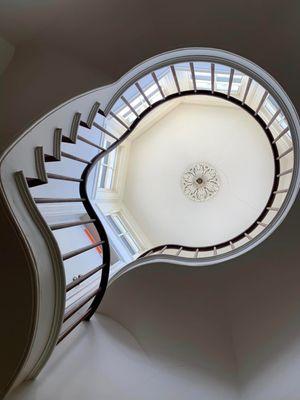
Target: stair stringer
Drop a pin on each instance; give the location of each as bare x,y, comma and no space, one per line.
41,142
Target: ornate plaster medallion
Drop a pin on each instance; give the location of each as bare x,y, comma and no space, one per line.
200,182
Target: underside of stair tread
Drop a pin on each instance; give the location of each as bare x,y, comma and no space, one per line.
32,182
63,171
50,158
74,129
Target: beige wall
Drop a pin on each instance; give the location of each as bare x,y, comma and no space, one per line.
228,332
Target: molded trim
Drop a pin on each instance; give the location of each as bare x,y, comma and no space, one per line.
58,272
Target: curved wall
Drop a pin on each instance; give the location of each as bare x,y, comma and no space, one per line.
229,332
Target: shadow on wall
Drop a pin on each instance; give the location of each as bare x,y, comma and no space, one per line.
265,304
240,325
229,332
179,317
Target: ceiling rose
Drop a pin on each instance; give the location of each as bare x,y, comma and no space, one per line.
200,182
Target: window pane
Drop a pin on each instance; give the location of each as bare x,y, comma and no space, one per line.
109,179
107,168
184,76
166,80
114,126
119,223
203,75
222,73
271,105
132,242
136,100
120,227
113,224
239,84
150,89
102,176
123,112
128,244
281,120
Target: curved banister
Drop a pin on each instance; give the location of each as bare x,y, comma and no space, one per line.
272,142
161,249
102,233
103,103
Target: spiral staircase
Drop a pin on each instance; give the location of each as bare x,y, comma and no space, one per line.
71,139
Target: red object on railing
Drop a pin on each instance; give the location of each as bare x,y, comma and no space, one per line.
93,240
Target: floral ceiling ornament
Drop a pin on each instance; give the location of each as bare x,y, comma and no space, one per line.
200,182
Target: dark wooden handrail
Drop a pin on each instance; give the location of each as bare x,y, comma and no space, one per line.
78,305
260,121
98,294
253,113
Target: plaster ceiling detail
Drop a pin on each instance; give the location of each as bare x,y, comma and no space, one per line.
200,182
228,139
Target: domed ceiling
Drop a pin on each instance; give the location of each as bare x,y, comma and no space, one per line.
199,172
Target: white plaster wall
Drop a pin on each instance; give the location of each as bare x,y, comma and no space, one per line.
227,138
167,332
158,345
264,304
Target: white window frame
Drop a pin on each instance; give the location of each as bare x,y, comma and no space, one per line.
112,165
117,220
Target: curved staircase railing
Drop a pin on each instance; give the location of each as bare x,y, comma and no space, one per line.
132,94
165,249
277,194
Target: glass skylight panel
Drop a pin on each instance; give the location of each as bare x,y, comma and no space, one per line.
281,120
203,75
114,126
123,112
222,73
271,105
136,100
236,82
166,80
272,108
100,119
239,84
150,89
184,76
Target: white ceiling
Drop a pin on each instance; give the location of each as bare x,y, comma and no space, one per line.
178,135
